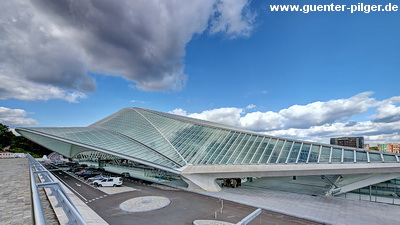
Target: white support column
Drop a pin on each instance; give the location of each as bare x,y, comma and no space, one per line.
202,182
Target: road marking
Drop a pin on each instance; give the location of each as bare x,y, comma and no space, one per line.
71,188
78,184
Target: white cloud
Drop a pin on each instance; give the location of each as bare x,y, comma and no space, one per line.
261,121
4,112
229,116
387,113
251,106
47,47
233,18
15,117
179,112
25,90
319,113
137,101
383,138
317,121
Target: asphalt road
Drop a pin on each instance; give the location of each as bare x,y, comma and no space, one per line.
83,190
185,206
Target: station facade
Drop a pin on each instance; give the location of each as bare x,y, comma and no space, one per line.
204,153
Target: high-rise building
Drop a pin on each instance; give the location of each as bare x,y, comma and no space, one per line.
355,142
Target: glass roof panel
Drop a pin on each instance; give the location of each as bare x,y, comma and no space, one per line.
276,151
304,153
336,155
267,152
314,154
375,157
325,154
285,152
348,156
295,152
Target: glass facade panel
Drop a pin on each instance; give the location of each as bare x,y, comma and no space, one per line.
268,151
348,156
218,145
295,152
182,134
243,152
374,157
206,146
234,149
185,140
252,150
222,154
285,152
336,155
257,155
313,158
198,145
325,153
361,157
389,158
304,153
276,151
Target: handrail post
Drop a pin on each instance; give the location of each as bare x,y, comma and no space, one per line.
73,215
250,217
38,215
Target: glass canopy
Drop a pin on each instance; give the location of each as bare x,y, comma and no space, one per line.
175,141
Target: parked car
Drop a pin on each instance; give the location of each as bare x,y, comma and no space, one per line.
74,169
108,182
60,164
98,177
80,172
125,174
72,163
88,175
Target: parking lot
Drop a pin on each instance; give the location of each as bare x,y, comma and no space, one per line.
184,207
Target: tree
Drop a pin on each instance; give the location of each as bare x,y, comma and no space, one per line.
19,143
6,136
29,146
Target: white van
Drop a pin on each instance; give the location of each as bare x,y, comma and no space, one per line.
108,182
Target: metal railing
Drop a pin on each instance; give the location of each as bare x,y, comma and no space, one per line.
250,217
63,200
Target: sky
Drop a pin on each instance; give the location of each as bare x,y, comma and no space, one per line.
308,76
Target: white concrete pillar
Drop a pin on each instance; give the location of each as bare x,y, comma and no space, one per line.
202,182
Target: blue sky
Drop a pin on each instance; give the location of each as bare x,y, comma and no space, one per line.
307,76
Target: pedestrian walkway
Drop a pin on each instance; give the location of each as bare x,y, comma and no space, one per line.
15,201
115,190
324,209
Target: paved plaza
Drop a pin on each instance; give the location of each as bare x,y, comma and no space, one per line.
115,190
15,201
324,209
